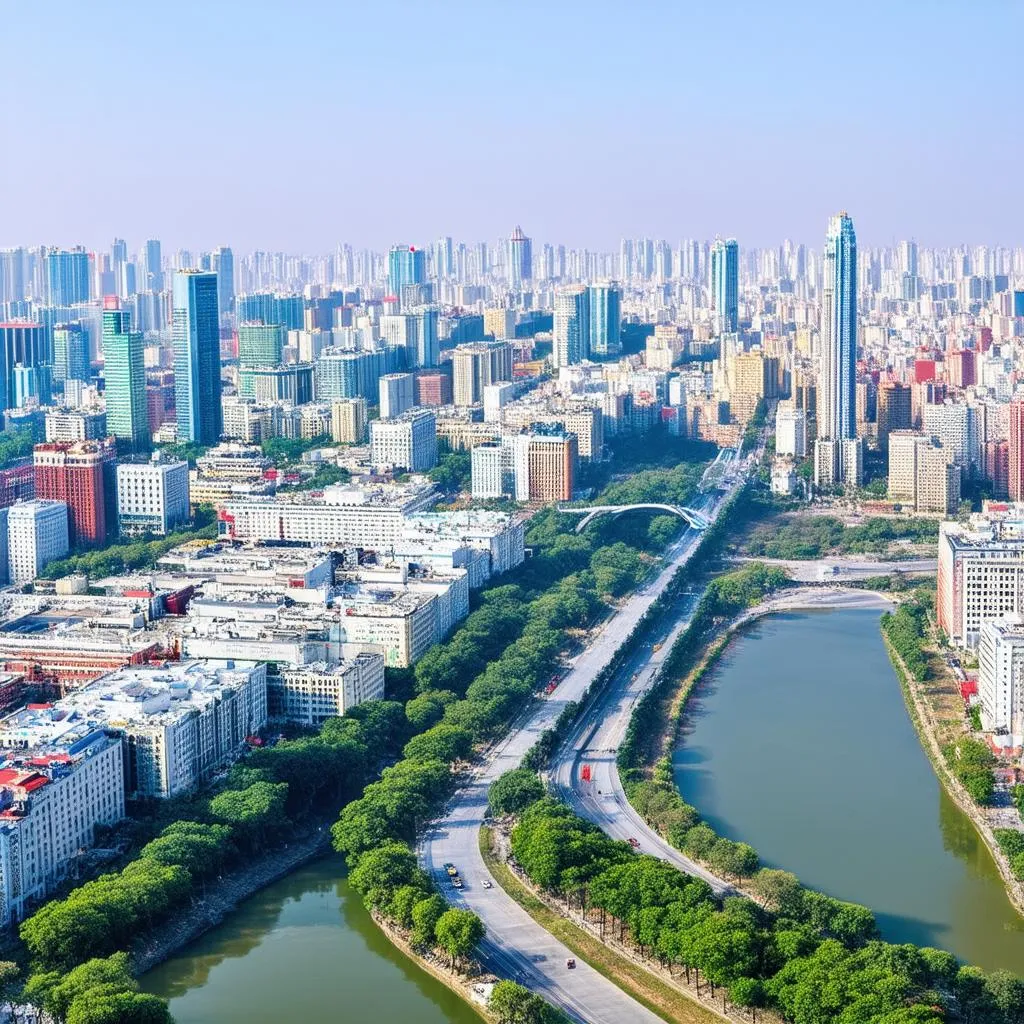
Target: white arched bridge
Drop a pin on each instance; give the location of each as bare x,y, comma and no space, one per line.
592,512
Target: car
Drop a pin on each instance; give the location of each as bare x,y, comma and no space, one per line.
571,963
635,843
486,883
451,869
456,882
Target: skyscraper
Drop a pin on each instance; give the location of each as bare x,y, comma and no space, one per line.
70,353
520,259
67,276
224,264
1016,452
836,460
406,265
725,284
154,281
604,319
24,344
196,331
124,375
571,331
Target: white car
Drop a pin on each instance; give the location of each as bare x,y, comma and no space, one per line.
486,883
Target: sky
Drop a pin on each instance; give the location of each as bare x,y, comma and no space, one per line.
300,124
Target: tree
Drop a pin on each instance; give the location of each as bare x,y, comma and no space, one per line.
458,932
257,810
514,791
99,1007
381,871
747,992
443,742
427,709
778,891
512,1003
425,916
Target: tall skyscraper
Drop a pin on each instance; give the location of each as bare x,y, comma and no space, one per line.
836,460
223,263
520,259
154,267
1016,453
571,331
406,265
604,320
196,330
23,344
725,284
124,375
67,276
70,353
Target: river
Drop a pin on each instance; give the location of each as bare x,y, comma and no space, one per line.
303,949
799,743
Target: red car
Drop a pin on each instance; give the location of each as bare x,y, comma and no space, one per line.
635,843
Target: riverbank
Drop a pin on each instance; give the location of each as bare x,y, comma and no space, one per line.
927,728
224,896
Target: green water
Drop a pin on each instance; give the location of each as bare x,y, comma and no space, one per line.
303,950
799,743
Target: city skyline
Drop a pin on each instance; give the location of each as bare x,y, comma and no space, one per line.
639,122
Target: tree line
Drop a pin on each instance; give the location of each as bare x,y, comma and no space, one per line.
814,536
810,958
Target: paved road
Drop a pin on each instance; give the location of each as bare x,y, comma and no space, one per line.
515,946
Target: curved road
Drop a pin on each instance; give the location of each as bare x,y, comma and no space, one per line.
515,946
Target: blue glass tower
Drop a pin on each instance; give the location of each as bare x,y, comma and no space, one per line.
605,320
196,329
67,276
406,265
725,284
837,377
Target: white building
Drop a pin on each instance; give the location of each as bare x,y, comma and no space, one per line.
407,442
790,431
981,574
490,471
310,694
1000,668
152,497
37,533
370,517
180,722
348,420
52,798
496,397
397,394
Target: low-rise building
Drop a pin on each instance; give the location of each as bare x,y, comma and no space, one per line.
310,694
180,722
153,496
53,796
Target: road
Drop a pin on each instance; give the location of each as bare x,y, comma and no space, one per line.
515,946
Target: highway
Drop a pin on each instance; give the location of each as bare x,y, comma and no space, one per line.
515,946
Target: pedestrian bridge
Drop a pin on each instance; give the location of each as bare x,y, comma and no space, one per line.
592,512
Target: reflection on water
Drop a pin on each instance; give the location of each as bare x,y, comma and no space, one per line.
801,745
303,948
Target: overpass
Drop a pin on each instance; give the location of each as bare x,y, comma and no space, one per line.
591,512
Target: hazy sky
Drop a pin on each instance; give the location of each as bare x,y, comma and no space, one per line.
296,124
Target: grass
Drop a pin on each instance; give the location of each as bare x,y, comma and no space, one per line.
650,991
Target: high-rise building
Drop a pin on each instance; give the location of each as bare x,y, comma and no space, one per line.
433,387
23,344
223,262
348,420
341,374
67,276
725,284
604,320
154,281
571,329
551,465
124,375
1001,675
790,431
397,394
1016,454
152,497
37,533
82,474
520,259
894,410
407,265
996,467
837,458
291,383
921,474
260,344
476,365
196,331
70,353
407,442
500,323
